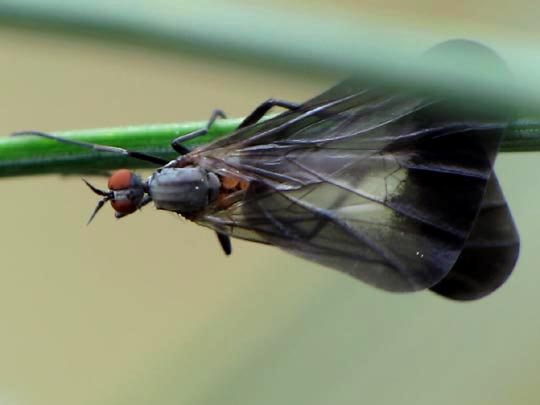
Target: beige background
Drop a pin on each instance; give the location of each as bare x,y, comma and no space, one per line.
148,310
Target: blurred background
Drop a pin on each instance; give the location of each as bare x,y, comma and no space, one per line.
148,309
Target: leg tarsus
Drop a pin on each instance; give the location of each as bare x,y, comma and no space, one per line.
176,144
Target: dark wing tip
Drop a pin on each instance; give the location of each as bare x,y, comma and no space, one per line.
490,253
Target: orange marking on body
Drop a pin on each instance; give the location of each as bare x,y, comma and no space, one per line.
229,182
224,201
244,185
232,190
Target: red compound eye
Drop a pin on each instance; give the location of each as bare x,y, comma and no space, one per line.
127,191
121,180
124,206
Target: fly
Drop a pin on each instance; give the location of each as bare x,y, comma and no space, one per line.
392,187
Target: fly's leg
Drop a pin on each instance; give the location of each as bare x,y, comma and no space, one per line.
252,118
98,148
264,107
176,144
256,115
225,242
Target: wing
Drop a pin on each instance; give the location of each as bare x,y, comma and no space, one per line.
377,183
490,253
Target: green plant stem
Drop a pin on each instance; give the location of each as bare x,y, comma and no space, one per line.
522,136
276,38
31,155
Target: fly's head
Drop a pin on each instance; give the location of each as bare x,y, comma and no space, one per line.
185,191
126,193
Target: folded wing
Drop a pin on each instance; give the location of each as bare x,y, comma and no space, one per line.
381,184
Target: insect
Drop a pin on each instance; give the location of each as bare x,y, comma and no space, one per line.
391,187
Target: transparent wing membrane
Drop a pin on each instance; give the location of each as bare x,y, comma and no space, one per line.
383,185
